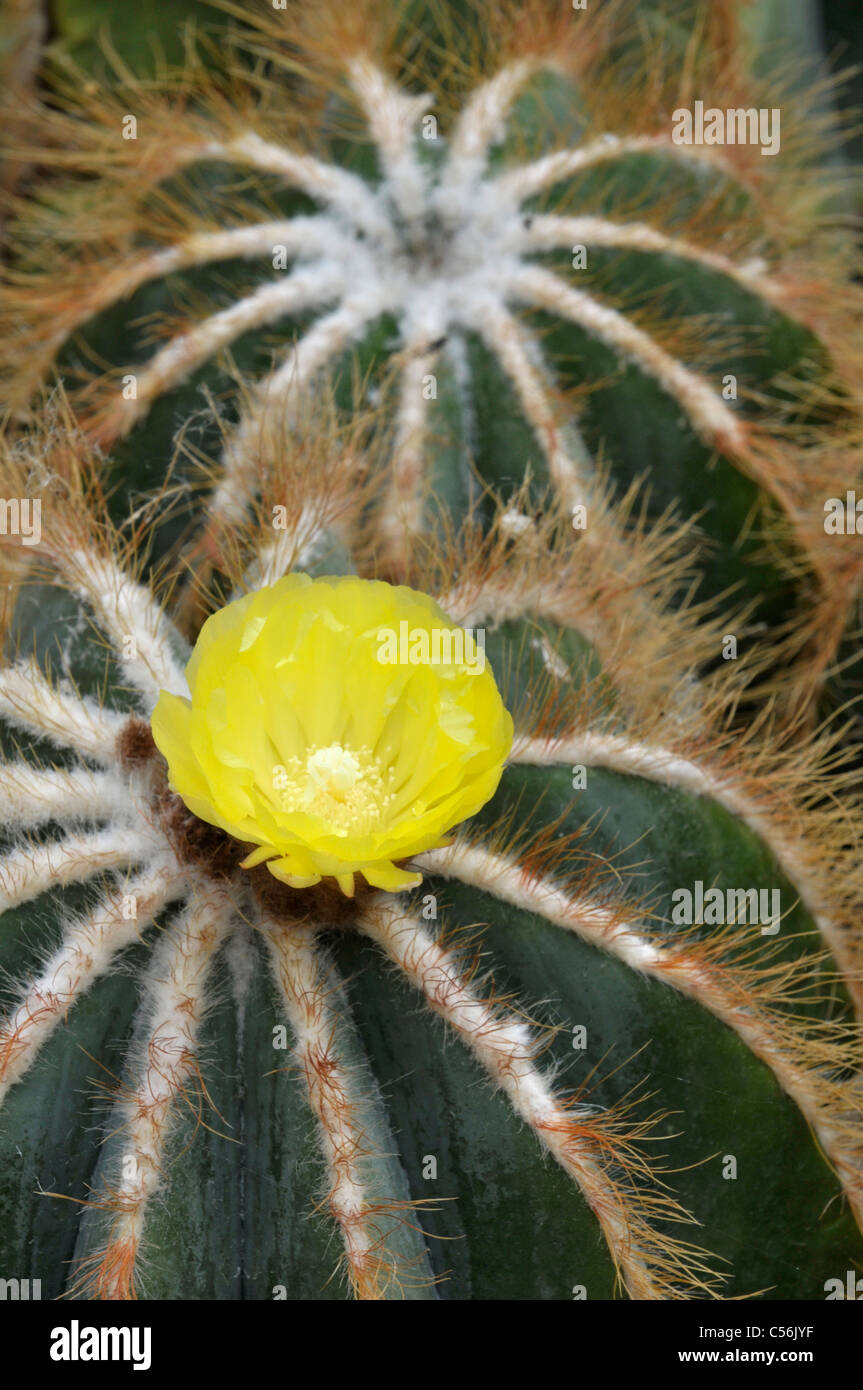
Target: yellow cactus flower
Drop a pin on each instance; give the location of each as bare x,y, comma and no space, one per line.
340,724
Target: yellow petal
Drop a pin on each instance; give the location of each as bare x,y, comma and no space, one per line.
299,738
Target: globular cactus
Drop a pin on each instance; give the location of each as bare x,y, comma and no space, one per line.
647,939
522,266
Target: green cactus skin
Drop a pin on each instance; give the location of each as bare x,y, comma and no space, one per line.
710,1071
407,238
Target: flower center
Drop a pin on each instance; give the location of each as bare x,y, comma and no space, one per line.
345,787
335,770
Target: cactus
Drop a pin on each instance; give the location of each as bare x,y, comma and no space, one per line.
648,938
447,263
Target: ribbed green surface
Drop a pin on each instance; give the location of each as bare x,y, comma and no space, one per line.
236,1218
627,419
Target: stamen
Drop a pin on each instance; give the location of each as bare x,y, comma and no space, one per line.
346,787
